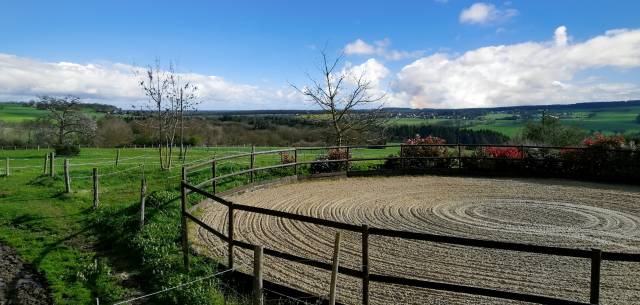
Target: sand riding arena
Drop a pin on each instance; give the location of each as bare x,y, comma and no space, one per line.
555,213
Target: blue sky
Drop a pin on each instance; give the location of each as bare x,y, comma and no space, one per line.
254,48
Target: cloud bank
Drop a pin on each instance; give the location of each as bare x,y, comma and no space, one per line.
524,73
23,78
559,70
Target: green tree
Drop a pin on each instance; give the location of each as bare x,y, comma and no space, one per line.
550,131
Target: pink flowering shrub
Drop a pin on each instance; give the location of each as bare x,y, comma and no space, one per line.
423,153
504,152
604,142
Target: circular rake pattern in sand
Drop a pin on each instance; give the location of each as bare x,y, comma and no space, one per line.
553,212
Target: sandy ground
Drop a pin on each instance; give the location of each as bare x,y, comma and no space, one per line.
542,212
20,284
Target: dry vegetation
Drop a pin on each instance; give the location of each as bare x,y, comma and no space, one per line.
546,212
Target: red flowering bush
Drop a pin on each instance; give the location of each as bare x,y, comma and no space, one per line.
605,142
504,152
425,152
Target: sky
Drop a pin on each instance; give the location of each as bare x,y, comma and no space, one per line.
246,54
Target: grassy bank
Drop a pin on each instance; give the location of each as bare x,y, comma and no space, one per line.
86,254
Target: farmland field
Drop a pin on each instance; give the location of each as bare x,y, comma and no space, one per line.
15,113
542,212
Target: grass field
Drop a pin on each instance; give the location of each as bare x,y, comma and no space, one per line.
15,113
86,254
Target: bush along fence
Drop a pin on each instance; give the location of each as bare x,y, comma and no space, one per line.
414,156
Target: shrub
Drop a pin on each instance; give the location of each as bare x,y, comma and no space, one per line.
286,158
67,150
604,142
328,167
504,152
425,147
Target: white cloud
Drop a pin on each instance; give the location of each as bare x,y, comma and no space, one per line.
484,13
525,73
379,48
359,47
560,36
371,70
24,78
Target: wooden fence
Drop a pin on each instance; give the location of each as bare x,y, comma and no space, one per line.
596,256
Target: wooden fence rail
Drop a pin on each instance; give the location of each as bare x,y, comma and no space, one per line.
595,255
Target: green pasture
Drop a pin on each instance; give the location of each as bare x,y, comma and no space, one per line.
86,254
16,113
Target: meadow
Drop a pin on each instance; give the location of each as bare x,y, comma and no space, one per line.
16,113
85,253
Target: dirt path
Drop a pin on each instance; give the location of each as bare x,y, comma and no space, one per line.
543,212
20,284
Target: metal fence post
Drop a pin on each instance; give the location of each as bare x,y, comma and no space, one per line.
117,157
365,265
596,263
6,167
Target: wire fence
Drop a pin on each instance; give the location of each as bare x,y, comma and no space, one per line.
200,279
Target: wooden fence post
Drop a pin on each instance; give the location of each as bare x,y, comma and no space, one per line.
230,235
96,189
346,162
402,157
143,193
252,162
365,265
295,159
596,262
213,176
185,229
334,270
117,157
459,156
46,160
52,162
67,178
6,167
258,298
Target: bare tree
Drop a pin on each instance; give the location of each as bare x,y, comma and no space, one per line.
169,97
346,97
156,82
67,117
183,95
